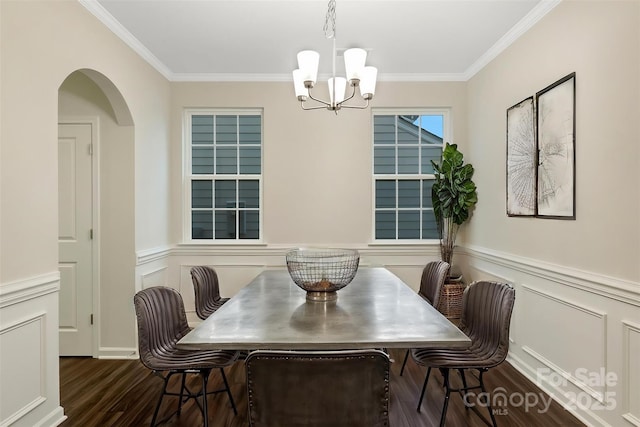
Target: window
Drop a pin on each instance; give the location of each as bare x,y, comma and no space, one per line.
403,147
224,174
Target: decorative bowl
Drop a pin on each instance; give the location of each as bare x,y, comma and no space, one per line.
322,272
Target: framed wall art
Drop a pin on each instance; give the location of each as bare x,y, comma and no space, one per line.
555,117
521,159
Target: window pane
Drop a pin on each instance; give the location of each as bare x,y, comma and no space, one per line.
250,160
201,224
226,160
249,194
408,131
384,160
201,130
385,225
225,194
201,160
432,126
249,224
427,184
408,160
250,130
409,194
201,194
226,224
384,129
385,194
429,227
409,225
430,153
226,129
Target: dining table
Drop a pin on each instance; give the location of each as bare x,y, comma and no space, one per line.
376,310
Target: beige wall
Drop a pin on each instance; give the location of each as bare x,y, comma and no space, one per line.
64,37
577,282
43,42
317,165
600,41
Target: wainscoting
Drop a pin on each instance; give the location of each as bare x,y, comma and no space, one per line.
573,333
29,353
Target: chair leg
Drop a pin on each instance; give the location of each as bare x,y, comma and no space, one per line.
445,375
162,393
226,385
404,362
463,390
484,391
424,388
182,387
205,414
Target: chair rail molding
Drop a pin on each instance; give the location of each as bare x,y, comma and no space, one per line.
621,290
29,288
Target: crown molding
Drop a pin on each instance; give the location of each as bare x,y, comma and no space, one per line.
537,13
236,77
524,25
111,23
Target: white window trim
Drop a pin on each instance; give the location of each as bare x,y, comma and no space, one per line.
447,136
188,177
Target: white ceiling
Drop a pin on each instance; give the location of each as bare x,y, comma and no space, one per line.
257,40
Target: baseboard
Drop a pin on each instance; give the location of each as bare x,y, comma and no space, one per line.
586,416
128,353
55,418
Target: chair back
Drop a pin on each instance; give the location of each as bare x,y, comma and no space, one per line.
434,275
318,389
486,317
206,289
162,321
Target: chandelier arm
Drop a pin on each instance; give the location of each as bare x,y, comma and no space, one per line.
353,93
356,107
327,104
311,108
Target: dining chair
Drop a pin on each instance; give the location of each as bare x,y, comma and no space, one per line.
162,322
347,388
207,291
433,277
486,317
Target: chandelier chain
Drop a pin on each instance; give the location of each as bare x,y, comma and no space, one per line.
330,20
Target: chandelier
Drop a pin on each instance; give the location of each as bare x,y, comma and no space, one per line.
357,74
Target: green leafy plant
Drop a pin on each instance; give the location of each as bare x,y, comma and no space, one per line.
454,195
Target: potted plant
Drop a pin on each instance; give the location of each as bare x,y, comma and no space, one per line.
454,195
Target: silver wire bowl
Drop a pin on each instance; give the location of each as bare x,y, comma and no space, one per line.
322,272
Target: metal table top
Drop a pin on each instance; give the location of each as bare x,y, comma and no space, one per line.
375,310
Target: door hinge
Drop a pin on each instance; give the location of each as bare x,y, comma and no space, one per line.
91,319
91,233
91,149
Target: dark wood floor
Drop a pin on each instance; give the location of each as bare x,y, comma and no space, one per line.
124,393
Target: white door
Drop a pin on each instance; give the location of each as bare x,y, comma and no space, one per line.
75,239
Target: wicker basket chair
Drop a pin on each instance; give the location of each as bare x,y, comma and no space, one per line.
207,291
433,277
486,317
162,322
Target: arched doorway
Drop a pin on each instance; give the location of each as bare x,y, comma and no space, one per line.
96,211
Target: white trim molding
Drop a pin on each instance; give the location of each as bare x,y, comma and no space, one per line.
27,289
609,287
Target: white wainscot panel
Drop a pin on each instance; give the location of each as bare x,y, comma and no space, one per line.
153,278
21,368
569,338
631,375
